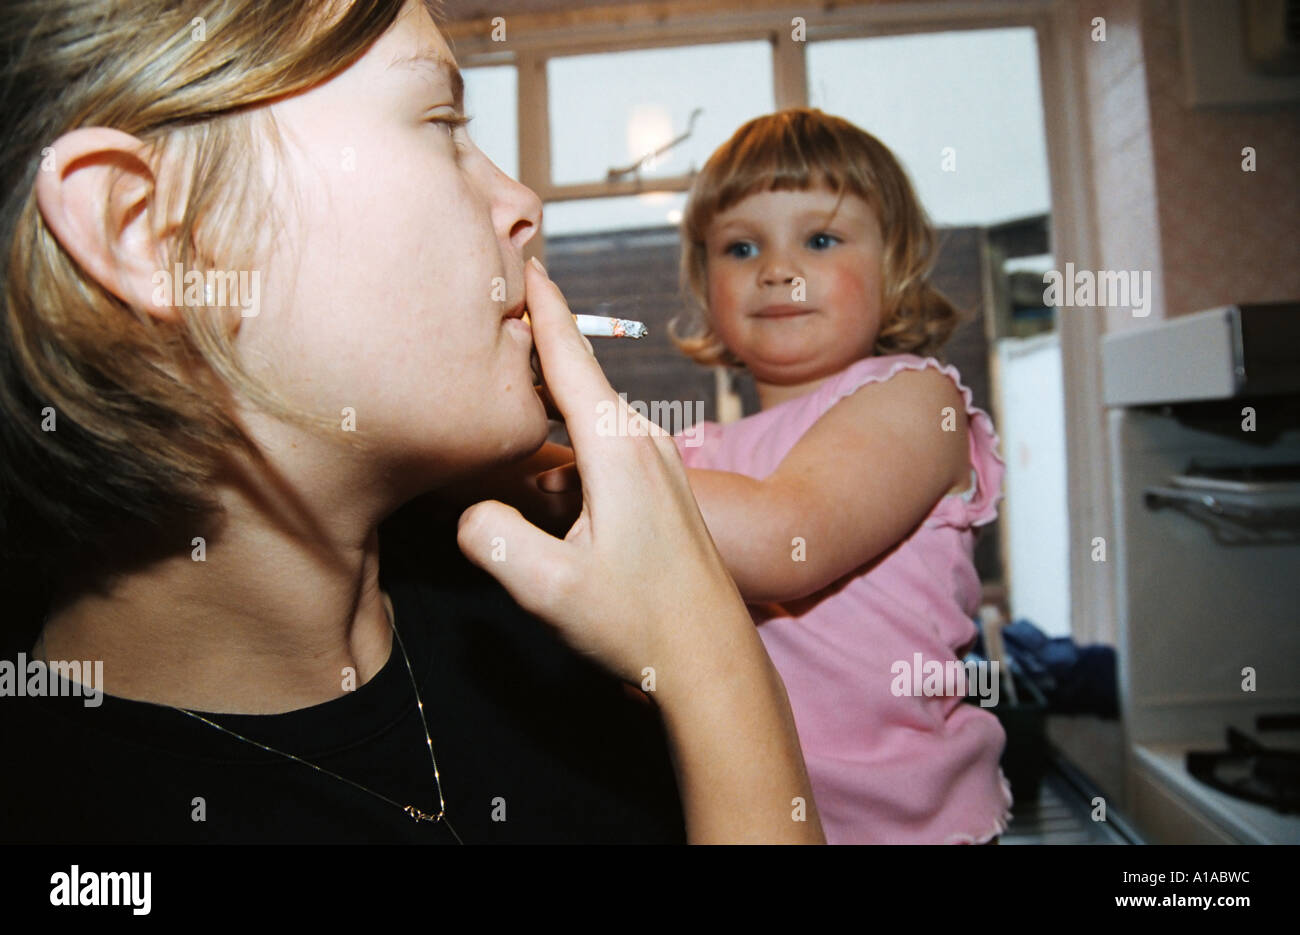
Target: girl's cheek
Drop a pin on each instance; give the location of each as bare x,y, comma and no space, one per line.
846,287
861,284
719,294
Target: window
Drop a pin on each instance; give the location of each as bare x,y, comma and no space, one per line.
590,215
609,110
963,111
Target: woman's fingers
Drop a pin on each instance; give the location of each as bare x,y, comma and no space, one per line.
574,380
638,559
498,539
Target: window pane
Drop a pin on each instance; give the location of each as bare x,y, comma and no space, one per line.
962,111
611,109
593,215
491,99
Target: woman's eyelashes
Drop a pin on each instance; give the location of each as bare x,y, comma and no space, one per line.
452,124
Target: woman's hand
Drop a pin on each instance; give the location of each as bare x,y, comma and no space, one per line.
637,584
638,566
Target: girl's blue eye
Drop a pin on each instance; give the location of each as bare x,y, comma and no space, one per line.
740,250
822,240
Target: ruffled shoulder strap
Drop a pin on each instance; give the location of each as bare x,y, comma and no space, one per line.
989,468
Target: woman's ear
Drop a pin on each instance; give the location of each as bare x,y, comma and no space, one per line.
96,199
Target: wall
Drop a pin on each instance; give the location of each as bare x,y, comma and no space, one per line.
1170,193
1226,235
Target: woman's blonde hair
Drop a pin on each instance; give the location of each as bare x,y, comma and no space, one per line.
800,149
104,443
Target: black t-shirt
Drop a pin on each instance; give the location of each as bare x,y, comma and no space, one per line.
534,743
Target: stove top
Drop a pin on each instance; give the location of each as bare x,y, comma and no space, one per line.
1249,769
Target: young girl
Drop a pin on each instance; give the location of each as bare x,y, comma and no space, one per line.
846,509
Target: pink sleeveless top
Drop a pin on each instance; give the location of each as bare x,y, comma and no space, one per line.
886,766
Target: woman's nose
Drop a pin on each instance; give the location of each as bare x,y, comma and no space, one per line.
516,209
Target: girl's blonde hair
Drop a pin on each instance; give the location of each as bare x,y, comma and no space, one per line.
104,445
800,149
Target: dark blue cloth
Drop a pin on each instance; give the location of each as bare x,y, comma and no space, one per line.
1074,679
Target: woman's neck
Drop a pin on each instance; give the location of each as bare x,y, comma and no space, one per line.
270,620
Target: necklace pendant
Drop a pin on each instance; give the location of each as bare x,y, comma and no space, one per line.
417,815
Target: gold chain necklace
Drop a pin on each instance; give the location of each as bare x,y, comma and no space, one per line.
414,813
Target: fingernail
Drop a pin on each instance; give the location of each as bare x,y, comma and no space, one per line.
540,268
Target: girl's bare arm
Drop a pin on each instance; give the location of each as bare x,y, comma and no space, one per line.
858,482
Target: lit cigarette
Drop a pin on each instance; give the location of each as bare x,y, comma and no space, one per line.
597,326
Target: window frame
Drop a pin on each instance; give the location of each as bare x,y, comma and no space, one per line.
538,39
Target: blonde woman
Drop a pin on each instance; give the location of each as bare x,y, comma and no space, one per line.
194,482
